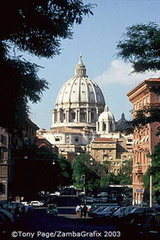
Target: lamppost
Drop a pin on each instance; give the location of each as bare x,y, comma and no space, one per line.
83,177
150,186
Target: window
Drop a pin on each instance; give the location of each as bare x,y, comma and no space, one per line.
2,188
73,115
57,139
2,139
158,96
83,115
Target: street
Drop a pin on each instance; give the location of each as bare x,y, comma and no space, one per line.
66,225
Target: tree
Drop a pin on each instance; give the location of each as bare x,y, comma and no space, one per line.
90,174
141,47
36,27
125,174
154,170
42,170
85,172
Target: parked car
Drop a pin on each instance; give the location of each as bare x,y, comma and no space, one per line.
87,199
102,194
150,229
123,211
107,212
36,203
93,212
52,210
146,226
6,223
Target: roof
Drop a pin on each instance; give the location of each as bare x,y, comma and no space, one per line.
150,80
103,140
79,89
66,130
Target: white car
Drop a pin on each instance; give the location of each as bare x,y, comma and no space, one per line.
36,203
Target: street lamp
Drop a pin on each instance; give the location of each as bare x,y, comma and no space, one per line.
150,186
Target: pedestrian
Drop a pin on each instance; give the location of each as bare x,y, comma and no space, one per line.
78,210
83,210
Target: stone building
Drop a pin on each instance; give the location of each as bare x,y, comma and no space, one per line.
144,139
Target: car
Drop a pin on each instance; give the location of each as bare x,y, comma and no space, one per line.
144,225
123,211
6,223
150,229
102,194
107,212
87,199
93,212
52,210
36,203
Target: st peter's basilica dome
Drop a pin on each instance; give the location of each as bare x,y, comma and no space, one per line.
79,102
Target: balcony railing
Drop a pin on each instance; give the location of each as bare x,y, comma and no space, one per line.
137,169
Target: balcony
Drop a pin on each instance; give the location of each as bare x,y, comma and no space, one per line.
137,169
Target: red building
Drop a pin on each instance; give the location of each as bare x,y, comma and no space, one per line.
143,95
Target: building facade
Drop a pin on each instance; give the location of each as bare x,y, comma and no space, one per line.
6,165
13,150
144,139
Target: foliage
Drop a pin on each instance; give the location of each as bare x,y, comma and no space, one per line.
107,180
154,170
142,117
90,174
83,174
141,47
36,27
125,174
65,175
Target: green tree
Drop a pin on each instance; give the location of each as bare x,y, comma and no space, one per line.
85,172
35,27
154,170
65,175
91,174
125,174
141,47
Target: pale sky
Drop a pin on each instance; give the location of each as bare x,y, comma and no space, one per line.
96,39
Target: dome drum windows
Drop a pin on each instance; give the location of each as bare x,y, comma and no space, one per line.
83,116
72,116
93,117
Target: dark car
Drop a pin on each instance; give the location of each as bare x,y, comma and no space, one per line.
6,223
150,229
144,225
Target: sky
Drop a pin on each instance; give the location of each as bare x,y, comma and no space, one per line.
96,40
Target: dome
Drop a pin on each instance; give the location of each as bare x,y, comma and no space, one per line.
106,121
106,115
80,89
121,124
79,101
